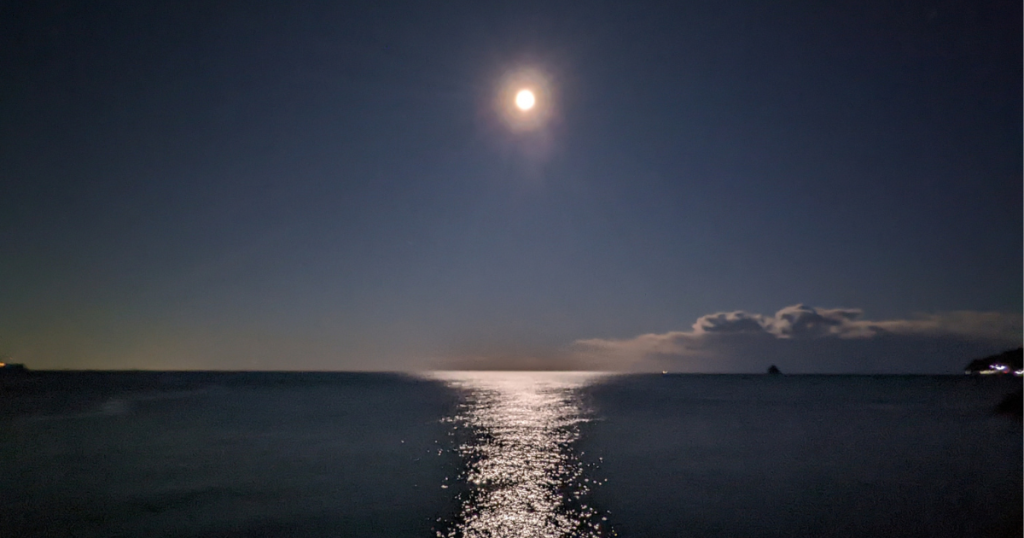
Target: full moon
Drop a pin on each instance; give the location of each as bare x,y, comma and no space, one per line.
525,100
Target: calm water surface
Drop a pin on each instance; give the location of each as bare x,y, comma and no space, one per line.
506,455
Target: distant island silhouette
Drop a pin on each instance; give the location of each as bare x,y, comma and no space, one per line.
7,368
774,370
1007,362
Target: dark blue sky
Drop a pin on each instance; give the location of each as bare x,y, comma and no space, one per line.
329,185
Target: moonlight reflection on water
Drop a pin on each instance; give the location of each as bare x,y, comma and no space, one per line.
523,478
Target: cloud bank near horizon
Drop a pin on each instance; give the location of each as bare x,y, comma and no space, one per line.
808,339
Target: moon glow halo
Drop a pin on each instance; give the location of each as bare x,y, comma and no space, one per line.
525,100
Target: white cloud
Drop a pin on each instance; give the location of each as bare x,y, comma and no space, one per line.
801,321
731,322
809,339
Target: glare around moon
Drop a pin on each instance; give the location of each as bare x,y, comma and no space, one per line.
525,100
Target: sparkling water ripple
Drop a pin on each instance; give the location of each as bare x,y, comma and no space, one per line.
522,475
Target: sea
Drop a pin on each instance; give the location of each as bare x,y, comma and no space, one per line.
507,454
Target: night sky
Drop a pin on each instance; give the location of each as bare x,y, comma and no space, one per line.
708,186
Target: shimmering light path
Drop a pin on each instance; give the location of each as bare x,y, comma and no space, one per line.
523,478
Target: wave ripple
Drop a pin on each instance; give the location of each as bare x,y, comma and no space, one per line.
522,476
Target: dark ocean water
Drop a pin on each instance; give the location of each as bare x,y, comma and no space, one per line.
506,455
